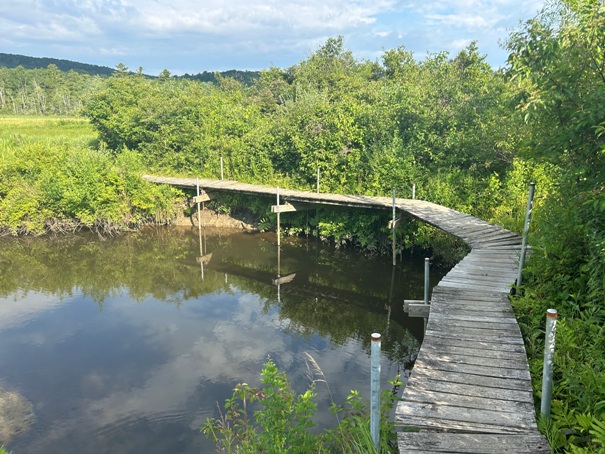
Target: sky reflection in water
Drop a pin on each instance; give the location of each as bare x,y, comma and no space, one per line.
137,362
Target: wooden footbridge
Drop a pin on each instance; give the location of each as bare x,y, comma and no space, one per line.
470,388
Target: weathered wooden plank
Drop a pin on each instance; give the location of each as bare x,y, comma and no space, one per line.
433,362
422,383
291,207
393,224
509,319
420,395
478,337
454,376
284,279
438,338
425,442
472,285
203,197
498,278
494,353
406,303
472,358
419,310
204,259
454,324
428,416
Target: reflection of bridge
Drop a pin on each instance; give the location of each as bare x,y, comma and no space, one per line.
470,389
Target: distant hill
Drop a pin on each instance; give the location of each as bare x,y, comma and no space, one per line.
14,60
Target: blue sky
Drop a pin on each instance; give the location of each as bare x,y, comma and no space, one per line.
216,35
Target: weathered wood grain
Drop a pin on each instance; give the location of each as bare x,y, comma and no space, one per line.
430,443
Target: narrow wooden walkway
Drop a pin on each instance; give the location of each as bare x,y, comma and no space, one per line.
470,388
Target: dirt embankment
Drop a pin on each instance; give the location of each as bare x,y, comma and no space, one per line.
241,219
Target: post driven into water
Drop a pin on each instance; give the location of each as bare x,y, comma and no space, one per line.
375,390
427,271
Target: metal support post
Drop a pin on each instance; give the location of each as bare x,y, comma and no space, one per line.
549,361
394,237
278,226
375,390
427,266
528,210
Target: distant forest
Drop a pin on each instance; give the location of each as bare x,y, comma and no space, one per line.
16,60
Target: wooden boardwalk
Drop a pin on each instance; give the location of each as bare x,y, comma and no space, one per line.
470,388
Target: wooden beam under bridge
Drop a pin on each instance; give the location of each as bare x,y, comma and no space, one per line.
290,207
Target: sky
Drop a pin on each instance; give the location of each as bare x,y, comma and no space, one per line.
191,36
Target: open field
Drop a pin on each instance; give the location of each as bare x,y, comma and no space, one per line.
75,130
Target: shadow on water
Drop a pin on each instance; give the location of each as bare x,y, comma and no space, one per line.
125,344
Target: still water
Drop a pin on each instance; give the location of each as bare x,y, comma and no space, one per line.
125,344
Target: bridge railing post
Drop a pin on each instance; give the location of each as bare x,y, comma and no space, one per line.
528,210
549,361
427,272
394,231
375,390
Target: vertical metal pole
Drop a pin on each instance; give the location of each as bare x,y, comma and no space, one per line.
528,210
549,361
222,175
278,226
413,191
427,265
318,180
375,390
394,238
199,218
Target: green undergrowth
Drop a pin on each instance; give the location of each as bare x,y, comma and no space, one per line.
52,181
274,418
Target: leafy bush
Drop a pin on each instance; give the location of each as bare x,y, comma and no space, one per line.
283,420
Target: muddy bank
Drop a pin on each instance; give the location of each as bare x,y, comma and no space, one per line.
240,219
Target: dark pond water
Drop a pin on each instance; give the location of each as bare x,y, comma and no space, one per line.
125,344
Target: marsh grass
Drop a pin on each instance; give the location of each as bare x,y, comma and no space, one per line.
71,130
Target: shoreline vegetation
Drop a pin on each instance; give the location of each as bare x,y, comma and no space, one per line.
469,137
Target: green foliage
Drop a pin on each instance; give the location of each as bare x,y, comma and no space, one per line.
557,63
283,423
53,185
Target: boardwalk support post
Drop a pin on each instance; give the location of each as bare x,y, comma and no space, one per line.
278,226
549,361
222,175
394,238
318,180
199,216
413,191
427,266
528,210
375,390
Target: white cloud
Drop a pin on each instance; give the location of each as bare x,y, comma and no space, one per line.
225,34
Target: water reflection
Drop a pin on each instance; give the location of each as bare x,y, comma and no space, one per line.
125,345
